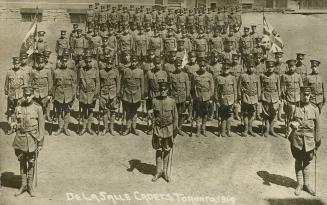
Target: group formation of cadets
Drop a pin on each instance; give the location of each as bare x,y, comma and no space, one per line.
179,66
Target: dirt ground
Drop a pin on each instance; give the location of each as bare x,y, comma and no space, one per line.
118,170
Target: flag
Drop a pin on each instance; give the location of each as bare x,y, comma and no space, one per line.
274,36
29,43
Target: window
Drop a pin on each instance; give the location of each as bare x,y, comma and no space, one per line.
28,14
77,15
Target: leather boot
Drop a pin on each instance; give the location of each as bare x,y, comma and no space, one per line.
67,121
134,130
166,165
158,166
306,177
61,126
228,127
223,128
23,174
267,127
299,177
279,113
180,132
236,112
105,124
112,123
272,131
246,127
128,127
30,179
250,127
198,130
89,125
203,127
83,131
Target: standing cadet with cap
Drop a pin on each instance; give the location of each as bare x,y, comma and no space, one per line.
202,90
41,80
132,93
270,96
29,125
151,87
24,63
16,78
41,44
290,88
248,93
90,16
246,44
73,35
305,140
280,69
64,90
62,43
164,130
79,44
180,91
314,80
225,97
88,90
109,94
236,69
301,68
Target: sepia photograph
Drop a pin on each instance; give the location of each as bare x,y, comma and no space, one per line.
163,102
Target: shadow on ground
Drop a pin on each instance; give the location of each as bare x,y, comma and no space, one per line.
295,201
269,178
143,168
9,179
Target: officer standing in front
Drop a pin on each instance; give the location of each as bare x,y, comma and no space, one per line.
164,130
29,125
305,140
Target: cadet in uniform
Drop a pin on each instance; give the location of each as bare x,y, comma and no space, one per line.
280,69
202,91
132,94
236,69
164,130
248,93
314,80
246,44
109,94
24,64
29,125
64,87
90,16
79,44
270,95
16,78
41,80
290,87
140,45
73,35
88,92
216,42
301,68
41,44
125,42
152,79
156,43
180,91
62,43
304,139
225,97
201,45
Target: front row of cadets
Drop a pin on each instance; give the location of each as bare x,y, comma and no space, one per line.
221,90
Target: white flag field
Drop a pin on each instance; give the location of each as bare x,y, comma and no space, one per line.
30,39
274,36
